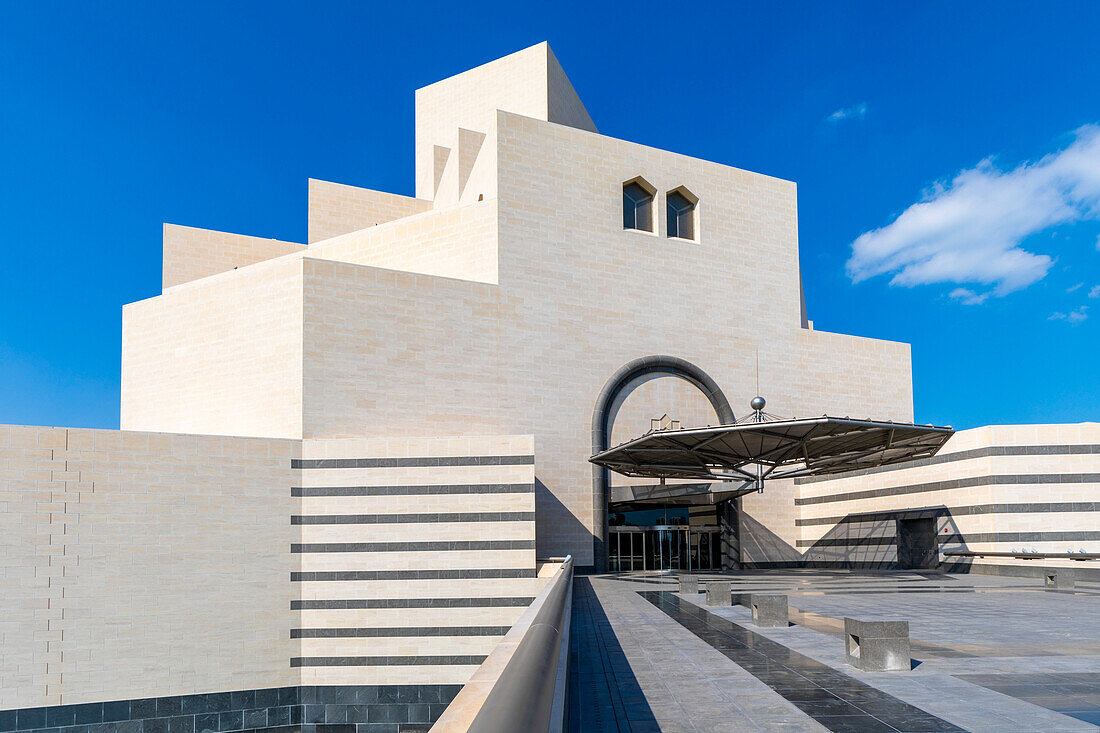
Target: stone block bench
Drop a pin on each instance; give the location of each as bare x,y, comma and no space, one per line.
769,610
1060,578
719,593
689,584
877,646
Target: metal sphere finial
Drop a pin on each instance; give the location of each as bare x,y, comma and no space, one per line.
758,403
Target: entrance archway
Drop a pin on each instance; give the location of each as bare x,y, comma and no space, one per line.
621,383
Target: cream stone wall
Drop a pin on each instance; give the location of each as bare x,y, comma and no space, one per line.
222,355
453,243
997,488
336,209
415,556
191,254
394,353
142,564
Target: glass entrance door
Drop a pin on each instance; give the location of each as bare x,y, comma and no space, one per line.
662,547
705,550
626,551
666,548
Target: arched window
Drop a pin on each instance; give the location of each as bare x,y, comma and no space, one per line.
637,207
681,214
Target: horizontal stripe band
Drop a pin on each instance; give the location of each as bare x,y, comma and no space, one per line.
470,660
961,483
454,546
398,631
456,574
957,511
423,490
946,539
417,462
412,518
995,450
375,603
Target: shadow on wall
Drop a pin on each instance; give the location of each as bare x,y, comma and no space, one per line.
909,539
760,547
604,694
564,534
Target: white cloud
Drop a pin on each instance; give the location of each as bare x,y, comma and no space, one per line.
969,230
966,296
855,112
1095,292
1073,288
1075,316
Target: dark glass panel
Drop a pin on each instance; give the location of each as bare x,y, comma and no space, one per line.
637,207
629,208
680,216
645,215
686,227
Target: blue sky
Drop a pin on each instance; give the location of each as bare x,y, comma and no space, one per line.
948,176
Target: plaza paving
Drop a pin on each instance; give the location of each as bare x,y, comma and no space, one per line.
989,654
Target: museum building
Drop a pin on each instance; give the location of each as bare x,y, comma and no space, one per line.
346,467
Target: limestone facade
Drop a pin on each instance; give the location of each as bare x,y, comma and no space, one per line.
143,565
502,298
999,489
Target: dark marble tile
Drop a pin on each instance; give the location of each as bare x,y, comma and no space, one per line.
207,723
255,718
88,713
267,698
119,710
154,725
60,715
168,706
182,724
818,708
231,720
242,700
313,714
855,724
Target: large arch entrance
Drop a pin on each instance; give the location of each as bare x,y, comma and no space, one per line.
611,398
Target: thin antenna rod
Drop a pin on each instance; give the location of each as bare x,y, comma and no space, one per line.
758,370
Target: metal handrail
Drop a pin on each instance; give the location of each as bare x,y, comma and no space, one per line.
1025,555
523,698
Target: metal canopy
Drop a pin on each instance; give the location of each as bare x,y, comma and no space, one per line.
778,448
628,497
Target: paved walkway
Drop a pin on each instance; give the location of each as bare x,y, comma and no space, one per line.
990,654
